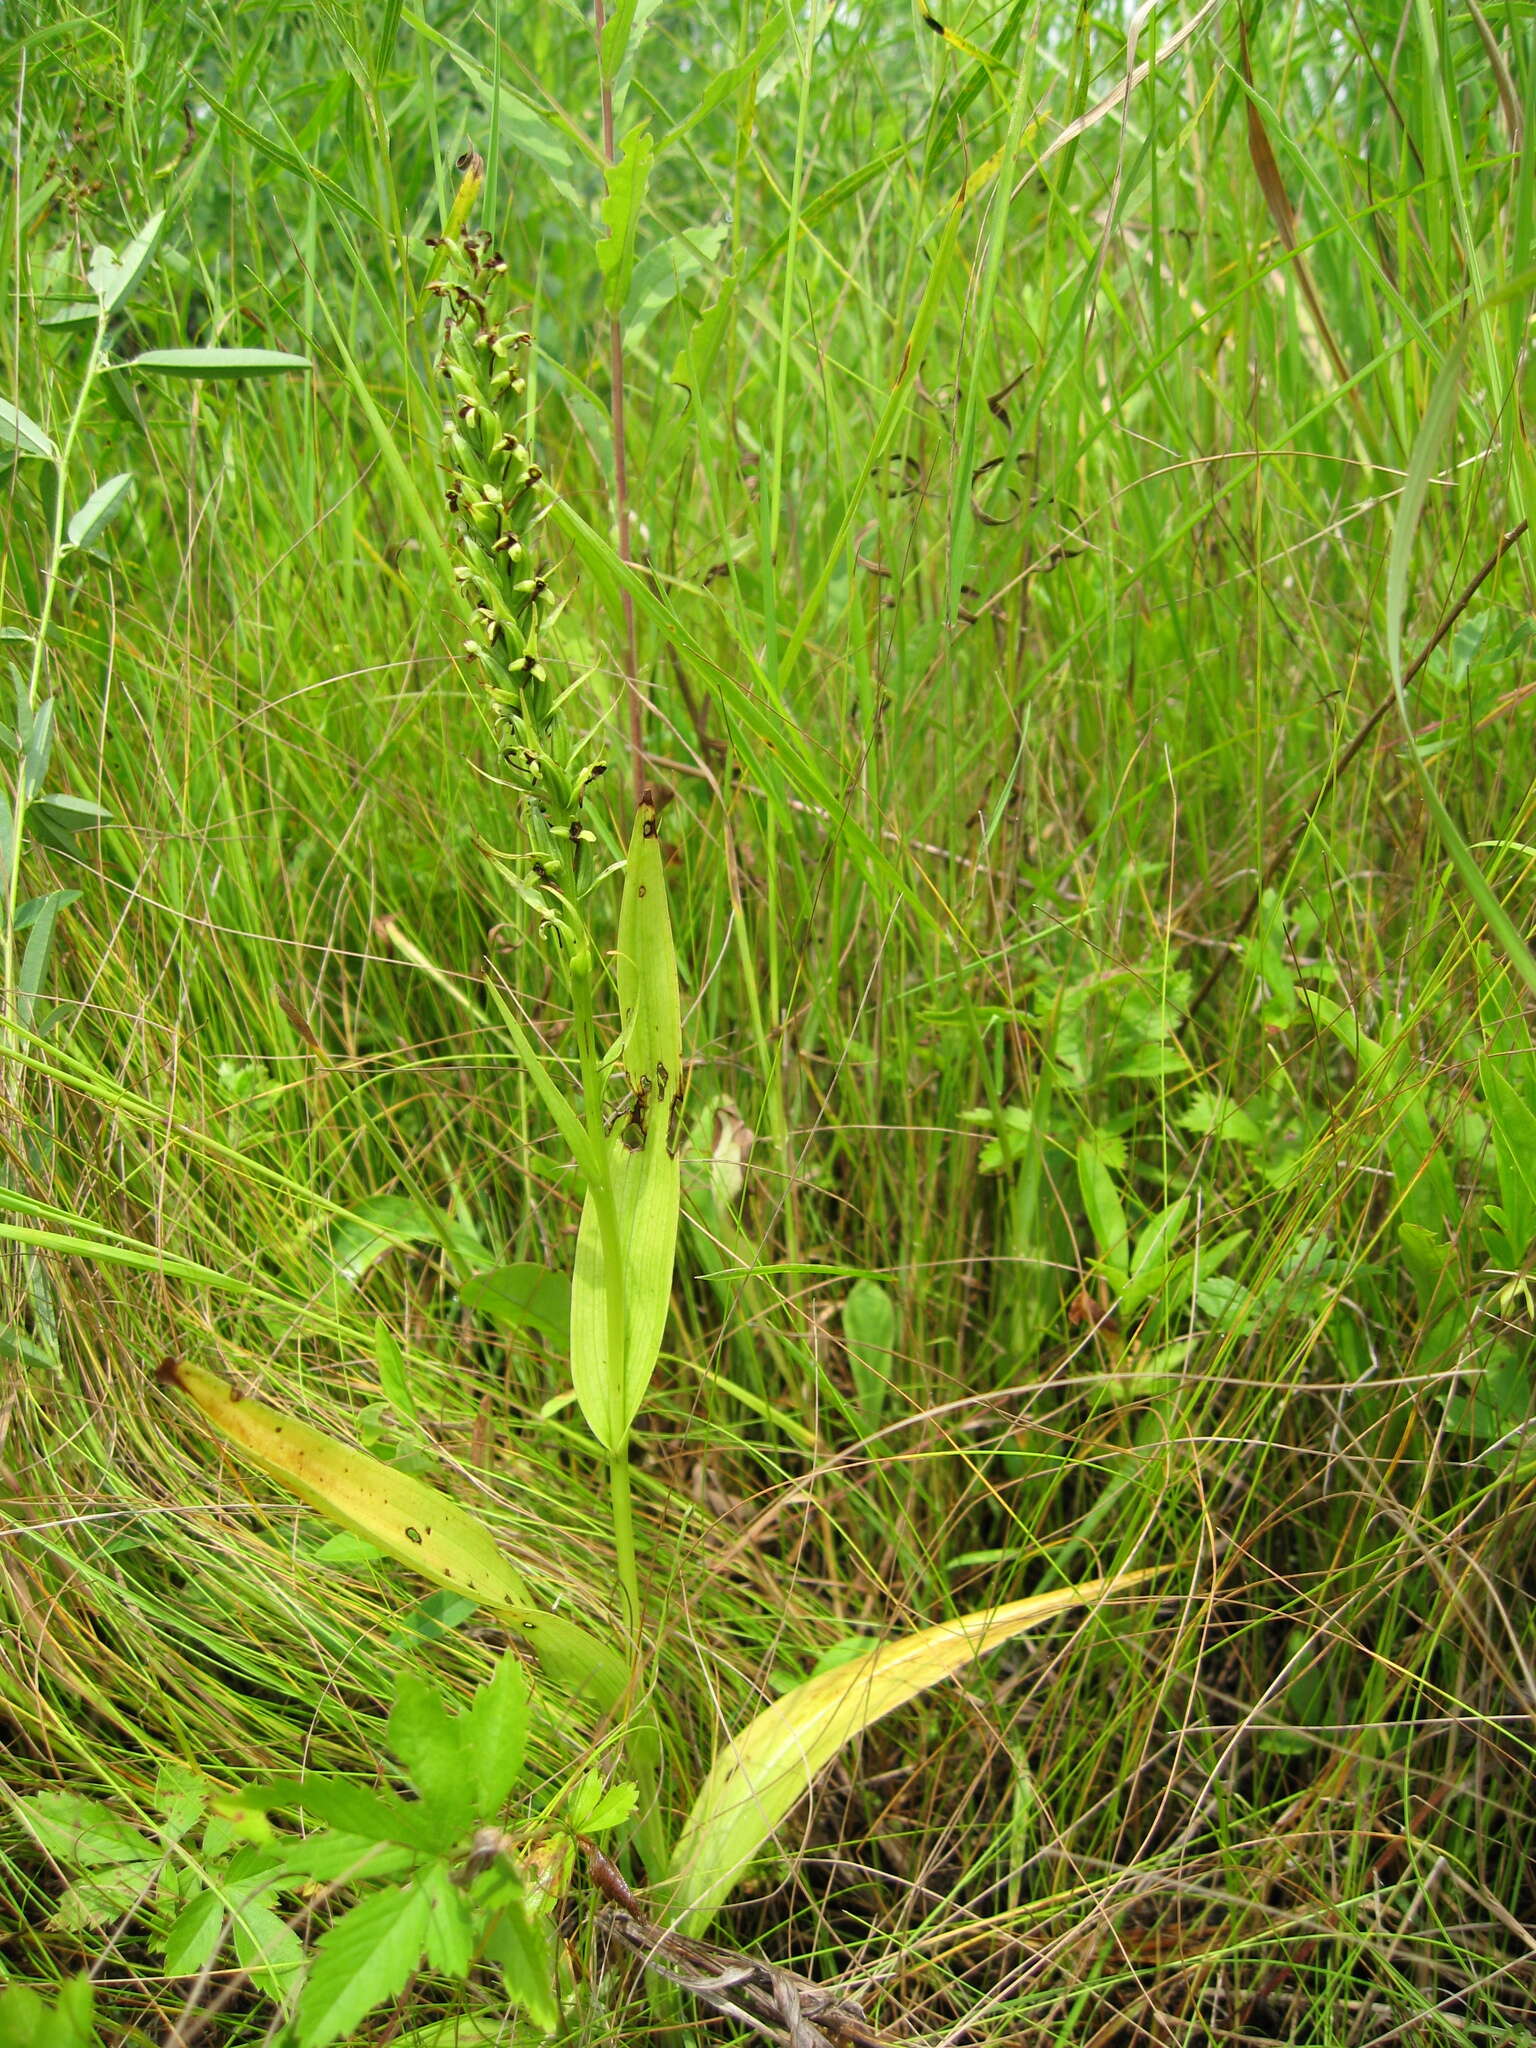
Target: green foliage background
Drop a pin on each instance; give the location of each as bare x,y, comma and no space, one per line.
1014,464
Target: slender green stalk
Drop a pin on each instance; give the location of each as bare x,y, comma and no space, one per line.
22,793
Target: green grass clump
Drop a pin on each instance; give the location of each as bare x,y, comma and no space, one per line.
1110,1116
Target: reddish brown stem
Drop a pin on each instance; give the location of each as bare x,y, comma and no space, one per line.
620,456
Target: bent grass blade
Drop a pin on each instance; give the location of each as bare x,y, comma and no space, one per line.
408,1520
760,1774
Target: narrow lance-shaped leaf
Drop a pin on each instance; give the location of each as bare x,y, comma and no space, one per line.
99,509
23,436
758,1776
641,1158
114,278
217,364
408,1520
34,964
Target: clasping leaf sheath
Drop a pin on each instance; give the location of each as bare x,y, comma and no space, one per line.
613,1356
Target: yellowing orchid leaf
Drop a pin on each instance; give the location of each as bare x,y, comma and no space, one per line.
757,1777
409,1520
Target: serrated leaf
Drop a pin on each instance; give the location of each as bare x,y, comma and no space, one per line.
1105,1210
760,1774
219,365
450,1936
496,1735
180,1795
268,1948
1213,1114
23,436
82,1834
28,2021
99,510
521,1949
614,1808
352,1808
438,1756
74,2013
627,181
408,1520
370,1954
23,2018
109,1895
113,278
523,1296
192,1939
333,1855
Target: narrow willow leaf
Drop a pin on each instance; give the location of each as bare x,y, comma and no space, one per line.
72,318
759,1776
23,436
66,814
38,750
408,1520
643,1180
113,278
99,509
34,964
217,364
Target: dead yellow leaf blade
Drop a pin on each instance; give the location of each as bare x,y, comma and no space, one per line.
760,1774
404,1517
